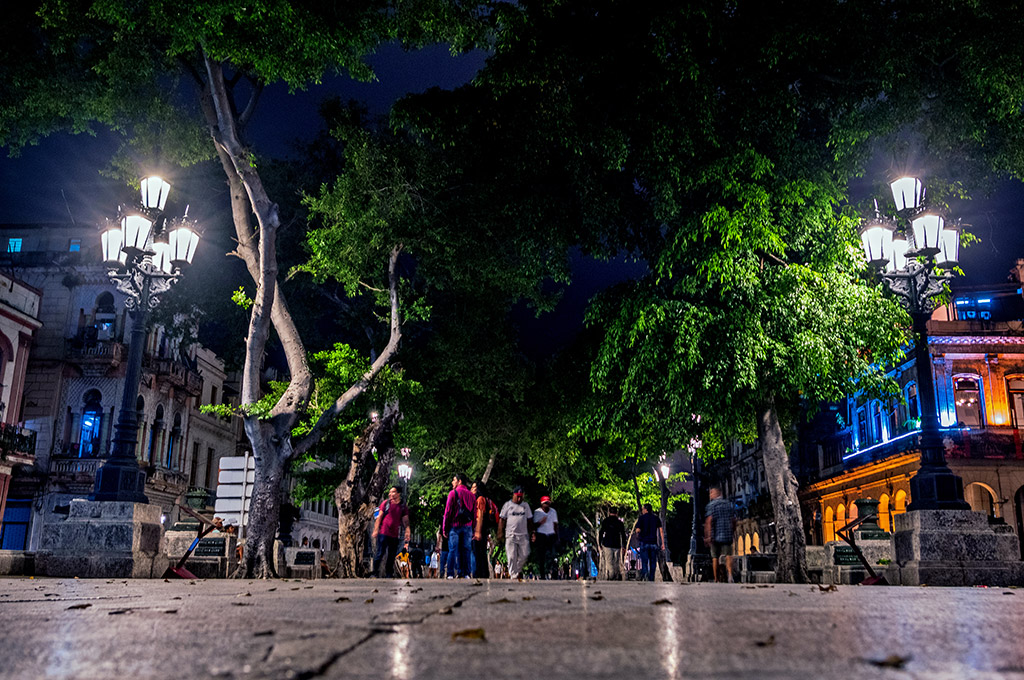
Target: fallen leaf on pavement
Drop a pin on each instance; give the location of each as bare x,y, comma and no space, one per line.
892,661
343,599
115,612
263,633
470,635
766,643
270,590
244,595
597,597
503,600
369,600
80,606
529,597
662,601
170,611
828,589
446,611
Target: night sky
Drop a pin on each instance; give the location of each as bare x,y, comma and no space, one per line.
60,179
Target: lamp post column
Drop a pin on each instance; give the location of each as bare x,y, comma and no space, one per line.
935,486
120,478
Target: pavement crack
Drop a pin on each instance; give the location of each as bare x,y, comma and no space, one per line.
320,670
420,613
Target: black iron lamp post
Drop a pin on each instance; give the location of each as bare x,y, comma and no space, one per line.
145,254
914,263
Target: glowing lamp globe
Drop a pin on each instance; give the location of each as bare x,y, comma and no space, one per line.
876,237
154,193
928,233
907,192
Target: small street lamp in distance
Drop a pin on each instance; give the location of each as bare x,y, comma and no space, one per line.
914,262
145,256
405,474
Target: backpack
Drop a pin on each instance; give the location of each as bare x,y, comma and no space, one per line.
463,515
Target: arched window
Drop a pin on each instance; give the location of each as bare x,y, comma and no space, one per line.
105,317
862,428
967,397
893,418
746,544
756,543
840,518
140,419
830,525
91,428
884,520
852,513
1015,389
156,434
913,405
173,462
876,422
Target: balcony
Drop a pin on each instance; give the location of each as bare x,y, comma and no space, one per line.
76,475
85,351
17,444
174,373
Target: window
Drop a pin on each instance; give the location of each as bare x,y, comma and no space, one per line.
91,428
213,394
876,421
155,434
967,397
913,404
75,245
1015,386
105,317
862,428
14,245
893,411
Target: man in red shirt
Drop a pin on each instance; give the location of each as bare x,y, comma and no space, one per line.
392,517
458,525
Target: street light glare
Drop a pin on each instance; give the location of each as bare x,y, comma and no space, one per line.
907,193
154,192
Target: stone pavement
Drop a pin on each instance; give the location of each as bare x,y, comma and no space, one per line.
69,628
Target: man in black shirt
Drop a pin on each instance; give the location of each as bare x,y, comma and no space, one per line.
612,538
651,542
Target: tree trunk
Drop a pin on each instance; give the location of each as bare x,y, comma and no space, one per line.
265,506
487,471
666,575
791,545
362,490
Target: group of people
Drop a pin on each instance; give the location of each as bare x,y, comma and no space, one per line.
470,517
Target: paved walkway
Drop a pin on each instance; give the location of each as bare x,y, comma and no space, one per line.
377,629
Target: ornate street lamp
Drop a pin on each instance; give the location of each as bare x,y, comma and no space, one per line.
145,259
908,259
405,474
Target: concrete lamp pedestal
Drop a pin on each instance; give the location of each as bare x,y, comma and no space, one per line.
104,539
953,548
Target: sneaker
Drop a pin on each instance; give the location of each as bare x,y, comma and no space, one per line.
449,577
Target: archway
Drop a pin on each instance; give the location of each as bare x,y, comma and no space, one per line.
830,525
840,516
746,544
884,520
981,498
756,543
900,506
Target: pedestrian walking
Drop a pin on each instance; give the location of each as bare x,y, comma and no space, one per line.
719,526
652,541
545,535
458,525
392,518
612,537
485,519
435,562
515,525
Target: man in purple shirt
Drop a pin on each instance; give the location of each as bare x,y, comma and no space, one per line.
458,524
393,516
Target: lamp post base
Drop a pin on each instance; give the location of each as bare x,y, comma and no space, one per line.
937,488
120,480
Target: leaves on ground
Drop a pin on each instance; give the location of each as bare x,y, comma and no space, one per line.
79,606
270,590
892,661
262,633
662,601
369,600
831,588
241,604
170,611
446,611
343,599
244,595
470,635
597,597
115,612
770,642
503,600
528,597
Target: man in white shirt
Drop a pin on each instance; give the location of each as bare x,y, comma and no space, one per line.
515,523
545,535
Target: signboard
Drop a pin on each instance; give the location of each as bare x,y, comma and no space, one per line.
234,489
211,547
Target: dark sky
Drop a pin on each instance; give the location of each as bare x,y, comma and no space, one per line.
61,176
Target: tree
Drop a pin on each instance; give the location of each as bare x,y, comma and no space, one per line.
112,63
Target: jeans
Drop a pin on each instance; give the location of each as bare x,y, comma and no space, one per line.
459,550
611,563
544,548
387,548
648,560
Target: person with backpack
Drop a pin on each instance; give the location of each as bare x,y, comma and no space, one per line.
485,520
458,525
392,517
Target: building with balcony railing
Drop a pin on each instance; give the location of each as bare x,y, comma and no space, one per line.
869,448
75,378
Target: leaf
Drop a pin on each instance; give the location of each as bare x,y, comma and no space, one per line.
892,661
343,599
770,642
503,600
79,606
598,598
115,612
368,600
470,635
828,589
662,601
445,612
528,597
262,633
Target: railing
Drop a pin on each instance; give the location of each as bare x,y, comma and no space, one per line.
16,441
80,350
176,373
65,469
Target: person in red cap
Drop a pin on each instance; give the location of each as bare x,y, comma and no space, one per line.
545,535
